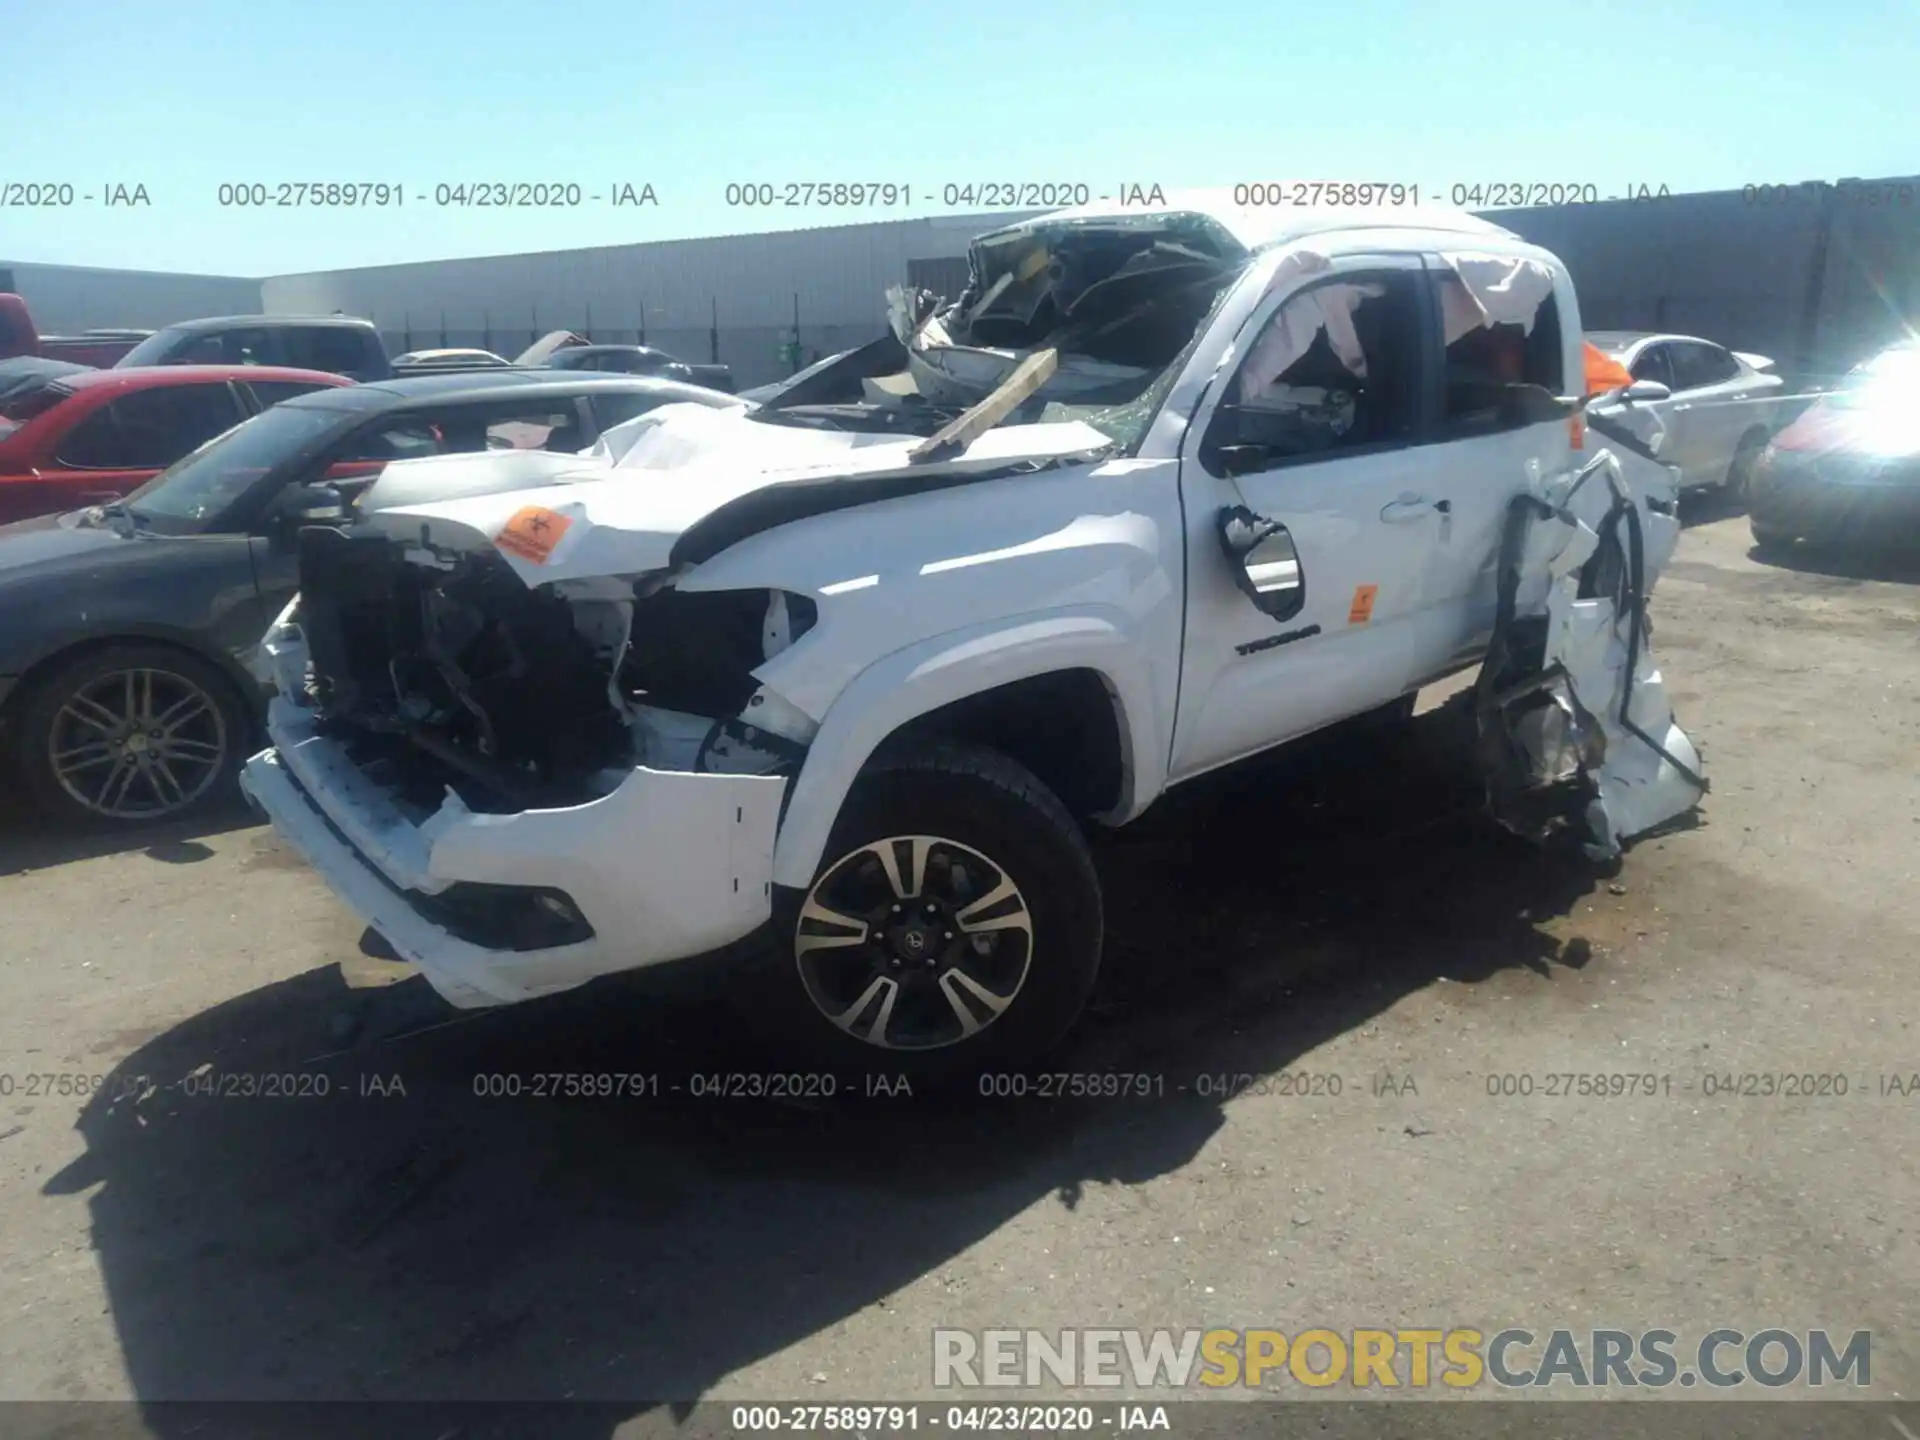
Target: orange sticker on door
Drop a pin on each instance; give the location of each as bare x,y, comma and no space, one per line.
532,533
1361,610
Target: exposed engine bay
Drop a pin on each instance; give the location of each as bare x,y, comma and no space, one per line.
444,670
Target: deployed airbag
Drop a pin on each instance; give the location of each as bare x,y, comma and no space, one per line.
1488,290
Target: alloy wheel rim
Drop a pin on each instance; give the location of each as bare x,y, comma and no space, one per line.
137,744
914,942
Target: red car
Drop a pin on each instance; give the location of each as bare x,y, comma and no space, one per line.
70,441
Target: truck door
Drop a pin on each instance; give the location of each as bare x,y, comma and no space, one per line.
1307,458
1511,336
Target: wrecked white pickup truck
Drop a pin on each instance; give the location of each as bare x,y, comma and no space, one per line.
841,676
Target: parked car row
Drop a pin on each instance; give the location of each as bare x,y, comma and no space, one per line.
334,344
1722,405
1839,466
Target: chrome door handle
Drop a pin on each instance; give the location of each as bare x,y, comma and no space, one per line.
1409,508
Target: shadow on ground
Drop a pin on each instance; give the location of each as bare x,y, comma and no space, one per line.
441,1246
1845,562
1705,504
28,841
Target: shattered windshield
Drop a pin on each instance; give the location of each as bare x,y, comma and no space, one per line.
196,490
1078,320
1127,422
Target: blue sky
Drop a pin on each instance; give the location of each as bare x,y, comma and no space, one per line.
1696,94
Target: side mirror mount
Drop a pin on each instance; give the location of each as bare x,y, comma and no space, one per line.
1640,392
320,504
1227,451
1265,565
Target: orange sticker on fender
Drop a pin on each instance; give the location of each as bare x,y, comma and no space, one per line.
532,533
1361,610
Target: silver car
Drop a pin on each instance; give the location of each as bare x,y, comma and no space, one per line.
1724,407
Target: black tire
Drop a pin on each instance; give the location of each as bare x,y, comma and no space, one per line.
1739,482
978,805
205,743
1768,539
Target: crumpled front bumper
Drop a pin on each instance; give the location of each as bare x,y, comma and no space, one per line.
669,866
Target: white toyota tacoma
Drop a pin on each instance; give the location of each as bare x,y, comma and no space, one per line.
838,681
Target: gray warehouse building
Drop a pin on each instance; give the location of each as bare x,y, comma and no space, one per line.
731,299
1814,277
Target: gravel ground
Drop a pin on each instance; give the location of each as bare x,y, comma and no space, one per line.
1339,912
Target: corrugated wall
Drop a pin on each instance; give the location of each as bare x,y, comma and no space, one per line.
1813,279
1731,266
734,298
73,297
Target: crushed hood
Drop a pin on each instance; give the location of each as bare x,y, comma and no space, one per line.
1113,296
1114,293
594,516
1117,295
447,477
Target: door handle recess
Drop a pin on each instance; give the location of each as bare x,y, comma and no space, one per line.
1409,508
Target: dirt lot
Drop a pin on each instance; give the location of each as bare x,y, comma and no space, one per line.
1339,912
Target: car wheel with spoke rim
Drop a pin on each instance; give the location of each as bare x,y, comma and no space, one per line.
129,735
913,942
953,927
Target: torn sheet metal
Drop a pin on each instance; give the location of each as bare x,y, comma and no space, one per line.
1576,728
909,310
1117,297
964,374
442,477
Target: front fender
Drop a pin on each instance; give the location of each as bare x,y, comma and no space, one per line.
944,668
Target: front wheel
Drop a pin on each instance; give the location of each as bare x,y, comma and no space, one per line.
953,927
130,734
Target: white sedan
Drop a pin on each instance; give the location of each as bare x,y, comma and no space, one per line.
1724,407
